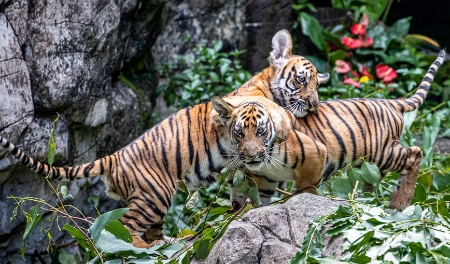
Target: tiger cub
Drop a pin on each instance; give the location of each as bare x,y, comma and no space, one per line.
351,128
194,145
269,147
290,80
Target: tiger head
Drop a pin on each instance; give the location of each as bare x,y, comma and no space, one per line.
294,79
254,124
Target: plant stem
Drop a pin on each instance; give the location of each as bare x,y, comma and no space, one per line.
386,11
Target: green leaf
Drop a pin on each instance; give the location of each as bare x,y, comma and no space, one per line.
218,210
420,194
64,191
341,187
218,45
186,233
253,194
185,258
108,243
169,250
370,173
442,208
77,234
116,228
355,175
380,39
201,248
183,187
312,28
193,200
66,257
224,68
336,55
214,77
337,229
51,144
240,182
399,29
103,220
33,218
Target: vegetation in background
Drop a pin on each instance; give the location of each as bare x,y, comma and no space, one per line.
209,72
362,52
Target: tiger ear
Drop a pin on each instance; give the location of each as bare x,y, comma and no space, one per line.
222,107
281,48
323,77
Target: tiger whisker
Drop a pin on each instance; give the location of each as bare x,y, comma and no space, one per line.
276,162
269,167
230,149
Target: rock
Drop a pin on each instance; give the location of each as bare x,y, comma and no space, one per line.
200,23
65,57
273,234
17,108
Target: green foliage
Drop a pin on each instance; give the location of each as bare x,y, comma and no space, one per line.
33,218
51,143
365,57
375,234
419,234
210,72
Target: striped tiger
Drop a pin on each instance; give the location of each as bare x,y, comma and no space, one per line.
194,145
268,146
290,80
352,128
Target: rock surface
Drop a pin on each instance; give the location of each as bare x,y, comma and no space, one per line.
273,234
64,57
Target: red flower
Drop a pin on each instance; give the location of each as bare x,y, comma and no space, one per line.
351,43
342,66
351,82
364,72
357,43
385,73
367,42
359,29
365,20
331,46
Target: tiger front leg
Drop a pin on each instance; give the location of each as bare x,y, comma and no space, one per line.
266,188
237,201
308,158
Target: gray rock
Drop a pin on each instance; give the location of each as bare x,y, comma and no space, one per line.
16,107
200,23
273,234
65,57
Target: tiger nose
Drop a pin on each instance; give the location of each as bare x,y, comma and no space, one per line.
250,152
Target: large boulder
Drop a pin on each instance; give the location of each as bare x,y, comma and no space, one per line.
273,234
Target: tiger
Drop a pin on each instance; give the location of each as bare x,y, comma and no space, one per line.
287,155
290,80
194,144
351,128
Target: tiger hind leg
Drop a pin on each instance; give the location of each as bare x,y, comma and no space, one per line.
404,191
140,222
155,234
